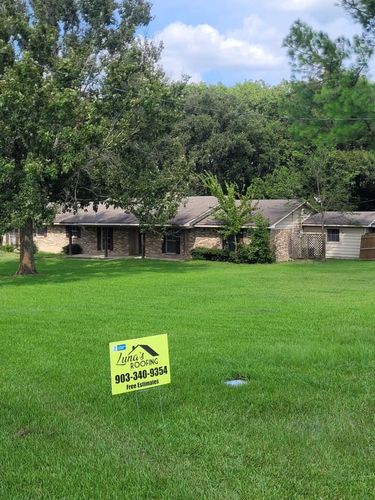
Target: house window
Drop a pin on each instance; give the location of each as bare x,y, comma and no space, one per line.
333,235
40,231
171,242
105,238
74,231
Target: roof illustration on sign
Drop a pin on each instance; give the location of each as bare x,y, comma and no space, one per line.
146,348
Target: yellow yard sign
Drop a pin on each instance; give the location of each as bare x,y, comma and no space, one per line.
138,364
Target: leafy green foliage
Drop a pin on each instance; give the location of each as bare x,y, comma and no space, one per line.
315,56
331,106
85,112
234,133
284,182
334,115
75,249
7,248
233,210
213,254
363,11
260,251
331,178
331,114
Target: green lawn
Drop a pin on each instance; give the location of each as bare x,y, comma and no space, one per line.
303,427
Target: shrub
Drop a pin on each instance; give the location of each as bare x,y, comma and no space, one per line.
216,254
242,256
76,249
7,248
257,252
260,251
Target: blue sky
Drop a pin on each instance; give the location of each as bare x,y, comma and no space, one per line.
231,41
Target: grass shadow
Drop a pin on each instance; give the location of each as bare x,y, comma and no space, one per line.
58,269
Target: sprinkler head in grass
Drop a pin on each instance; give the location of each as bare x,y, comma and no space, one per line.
236,381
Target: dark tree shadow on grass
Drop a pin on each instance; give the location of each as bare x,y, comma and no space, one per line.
59,269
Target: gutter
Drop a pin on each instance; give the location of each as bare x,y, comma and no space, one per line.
336,225
66,223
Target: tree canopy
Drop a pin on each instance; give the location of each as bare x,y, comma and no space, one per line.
84,110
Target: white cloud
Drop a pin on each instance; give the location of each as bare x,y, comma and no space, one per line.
254,29
302,5
195,50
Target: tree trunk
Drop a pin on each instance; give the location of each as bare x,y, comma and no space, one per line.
323,232
105,229
27,263
143,245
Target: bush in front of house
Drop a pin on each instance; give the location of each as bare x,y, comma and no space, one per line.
257,252
242,256
76,249
7,248
215,254
260,251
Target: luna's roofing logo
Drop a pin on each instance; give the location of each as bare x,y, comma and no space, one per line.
140,355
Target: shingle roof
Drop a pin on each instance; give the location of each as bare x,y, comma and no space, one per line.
193,211
103,216
363,219
272,210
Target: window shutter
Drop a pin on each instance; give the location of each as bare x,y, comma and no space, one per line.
163,245
178,244
98,238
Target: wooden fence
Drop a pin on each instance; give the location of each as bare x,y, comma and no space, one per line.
367,251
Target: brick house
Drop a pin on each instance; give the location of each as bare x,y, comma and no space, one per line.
117,232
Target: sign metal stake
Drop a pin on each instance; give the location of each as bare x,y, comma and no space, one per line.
138,412
161,408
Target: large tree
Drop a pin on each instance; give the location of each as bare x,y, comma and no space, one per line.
330,103
363,11
234,133
331,107
80,97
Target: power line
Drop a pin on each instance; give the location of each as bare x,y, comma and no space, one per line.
314,118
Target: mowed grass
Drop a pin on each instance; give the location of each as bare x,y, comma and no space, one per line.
302,333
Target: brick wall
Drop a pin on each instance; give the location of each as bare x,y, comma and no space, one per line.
154,243
88,242
200,237
192,238
281,241
54,241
